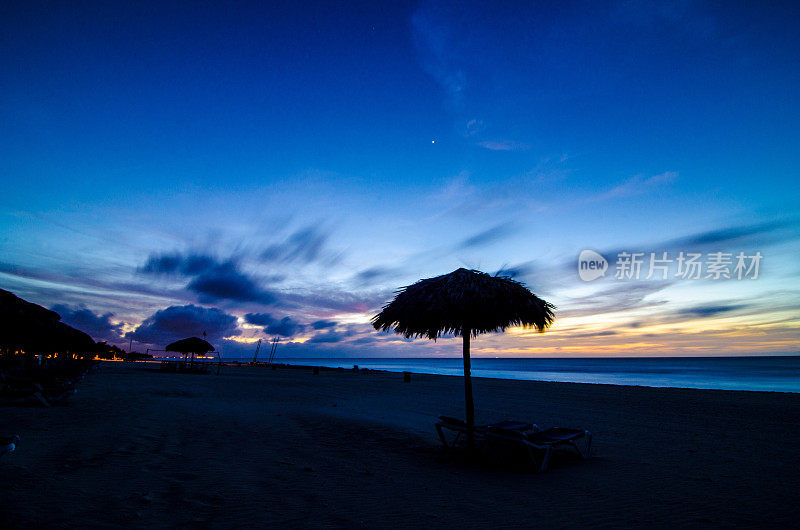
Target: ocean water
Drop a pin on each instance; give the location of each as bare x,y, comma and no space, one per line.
776,374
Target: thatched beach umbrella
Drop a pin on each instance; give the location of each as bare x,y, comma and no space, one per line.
32,328
466,303
191,345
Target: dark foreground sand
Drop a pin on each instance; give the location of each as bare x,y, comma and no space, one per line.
257,447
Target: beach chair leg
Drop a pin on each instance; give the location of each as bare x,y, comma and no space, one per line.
548,451
441,436
588,446
41,398
586,452
538,463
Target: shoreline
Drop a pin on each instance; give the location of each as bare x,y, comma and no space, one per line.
479,377
637,379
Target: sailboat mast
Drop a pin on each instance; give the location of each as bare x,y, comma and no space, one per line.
273,348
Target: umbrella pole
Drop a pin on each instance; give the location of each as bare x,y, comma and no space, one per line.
468,390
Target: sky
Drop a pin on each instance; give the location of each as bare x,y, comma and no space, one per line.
261,169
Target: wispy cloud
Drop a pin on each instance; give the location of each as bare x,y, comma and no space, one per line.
637,185
705,311
473,127
331,336
435,39
773,230
177,263
624,296
605,333
331,299
744,236
377,274
504,145
304,246
487,237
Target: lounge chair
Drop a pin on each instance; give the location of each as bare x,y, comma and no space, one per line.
8,444
479,431
539,446
44,391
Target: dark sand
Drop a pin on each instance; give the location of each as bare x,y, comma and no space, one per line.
257,447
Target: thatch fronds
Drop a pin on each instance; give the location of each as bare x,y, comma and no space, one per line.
463,300
190,345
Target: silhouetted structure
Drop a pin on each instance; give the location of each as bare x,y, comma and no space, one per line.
28,330
109,351
191,345
466,303
33,329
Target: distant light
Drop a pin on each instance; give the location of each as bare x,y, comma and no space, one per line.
433,141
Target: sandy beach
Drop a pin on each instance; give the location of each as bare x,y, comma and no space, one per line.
256,446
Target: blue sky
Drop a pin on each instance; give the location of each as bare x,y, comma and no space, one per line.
170,168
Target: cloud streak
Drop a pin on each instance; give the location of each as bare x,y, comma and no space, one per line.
284,327
772,231
705,311
210,279
330,337
226,282
637,185
504,145
304,246
487,237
